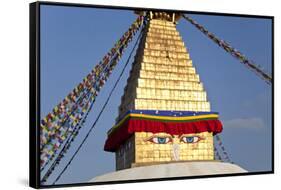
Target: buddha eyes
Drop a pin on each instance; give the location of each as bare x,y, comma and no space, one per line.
190,139
165,140
160,140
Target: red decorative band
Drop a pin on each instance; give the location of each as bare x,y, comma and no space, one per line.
132,125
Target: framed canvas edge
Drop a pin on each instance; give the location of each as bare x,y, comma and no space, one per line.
34,94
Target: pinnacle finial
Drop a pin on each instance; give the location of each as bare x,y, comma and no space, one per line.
160,15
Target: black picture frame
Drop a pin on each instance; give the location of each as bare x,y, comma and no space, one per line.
34,93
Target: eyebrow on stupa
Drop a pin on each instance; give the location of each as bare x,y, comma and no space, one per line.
159,135
191,135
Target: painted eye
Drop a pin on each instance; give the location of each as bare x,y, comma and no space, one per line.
160,140
191,139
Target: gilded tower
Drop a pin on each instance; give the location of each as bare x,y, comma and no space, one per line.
164,115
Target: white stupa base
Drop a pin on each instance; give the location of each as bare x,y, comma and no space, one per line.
181,169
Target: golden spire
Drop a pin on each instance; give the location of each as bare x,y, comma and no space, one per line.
162,78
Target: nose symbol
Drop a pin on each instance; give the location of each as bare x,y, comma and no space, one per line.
176,152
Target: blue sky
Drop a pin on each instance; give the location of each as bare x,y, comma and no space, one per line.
74,39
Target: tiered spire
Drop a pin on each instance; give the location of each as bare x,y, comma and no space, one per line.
163,77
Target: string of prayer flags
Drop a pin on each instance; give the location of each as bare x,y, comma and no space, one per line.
65,147
234,52
219,141
217,155
49,150
56,127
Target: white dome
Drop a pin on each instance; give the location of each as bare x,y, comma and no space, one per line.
179,169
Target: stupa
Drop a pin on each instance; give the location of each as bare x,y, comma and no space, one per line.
165,120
